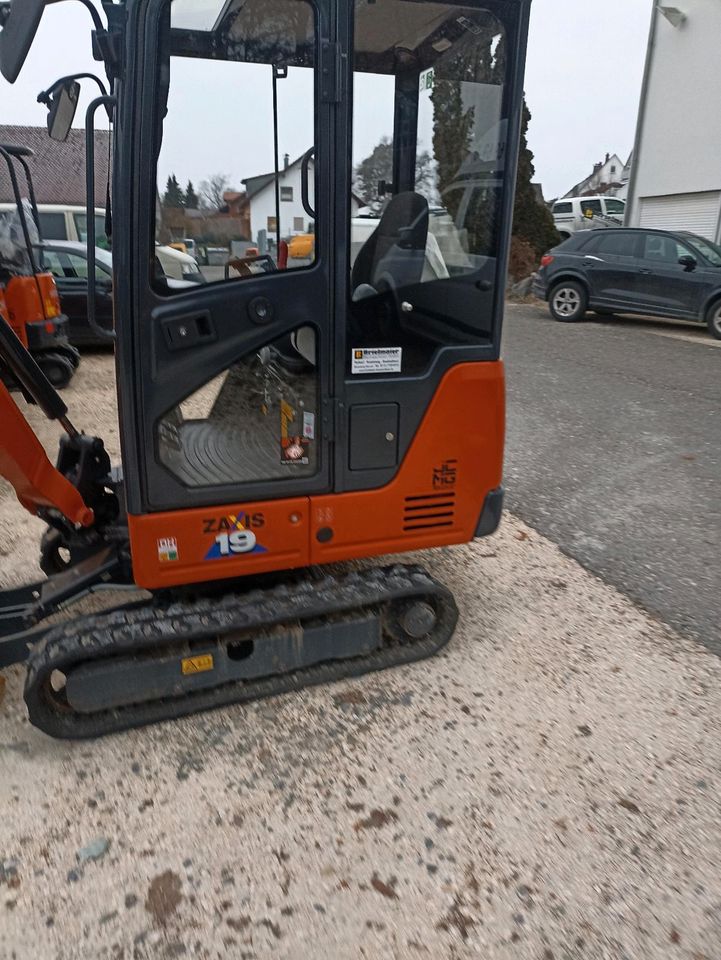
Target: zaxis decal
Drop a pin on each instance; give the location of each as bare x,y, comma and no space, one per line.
235,537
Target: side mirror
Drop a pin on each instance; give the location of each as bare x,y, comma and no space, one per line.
688,262
62,107
20,24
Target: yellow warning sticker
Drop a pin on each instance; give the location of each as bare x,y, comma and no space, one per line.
197,664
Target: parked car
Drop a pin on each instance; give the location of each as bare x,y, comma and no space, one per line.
59,222
650,272
577,213
179,266
67,260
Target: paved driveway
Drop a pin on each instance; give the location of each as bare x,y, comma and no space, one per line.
615,454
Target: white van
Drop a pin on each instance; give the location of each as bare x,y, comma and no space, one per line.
59,222
66,223
584,213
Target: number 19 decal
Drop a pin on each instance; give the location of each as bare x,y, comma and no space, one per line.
234,536
240,541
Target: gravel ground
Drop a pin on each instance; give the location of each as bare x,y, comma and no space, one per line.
547,788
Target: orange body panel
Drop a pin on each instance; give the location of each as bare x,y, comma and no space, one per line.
186,546
31,300
24,464
454,461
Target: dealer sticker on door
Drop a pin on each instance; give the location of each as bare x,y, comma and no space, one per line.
376,360
167,549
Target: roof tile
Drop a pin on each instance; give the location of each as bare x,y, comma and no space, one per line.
58,169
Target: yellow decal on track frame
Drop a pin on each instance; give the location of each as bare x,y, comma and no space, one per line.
200,664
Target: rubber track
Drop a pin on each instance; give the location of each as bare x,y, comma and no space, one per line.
124,633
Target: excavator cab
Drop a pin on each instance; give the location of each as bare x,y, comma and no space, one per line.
292,412
29,301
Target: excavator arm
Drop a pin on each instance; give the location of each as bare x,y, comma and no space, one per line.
76,498
25,465
23,462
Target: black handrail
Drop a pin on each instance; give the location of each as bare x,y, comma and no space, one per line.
93,107
304,170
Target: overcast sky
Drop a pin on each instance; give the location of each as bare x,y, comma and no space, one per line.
585,65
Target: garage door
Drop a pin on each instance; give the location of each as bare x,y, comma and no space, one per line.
695,212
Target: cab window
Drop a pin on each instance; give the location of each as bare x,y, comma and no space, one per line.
240,195
430,130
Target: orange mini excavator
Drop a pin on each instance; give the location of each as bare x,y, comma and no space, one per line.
278,420
29,300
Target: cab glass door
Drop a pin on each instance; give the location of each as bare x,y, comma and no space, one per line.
236,292
430,146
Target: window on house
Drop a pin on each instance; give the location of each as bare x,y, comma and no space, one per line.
286,193
272,225
298,224
613,169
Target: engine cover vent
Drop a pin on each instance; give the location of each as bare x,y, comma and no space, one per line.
430,512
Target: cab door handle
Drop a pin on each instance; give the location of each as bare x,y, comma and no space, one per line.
645,271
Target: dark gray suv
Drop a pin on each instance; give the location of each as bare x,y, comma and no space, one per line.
652,272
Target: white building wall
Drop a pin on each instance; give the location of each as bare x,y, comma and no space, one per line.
678,150
262,205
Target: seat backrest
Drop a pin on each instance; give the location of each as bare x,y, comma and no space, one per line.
395,251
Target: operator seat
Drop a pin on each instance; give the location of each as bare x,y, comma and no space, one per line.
395,253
